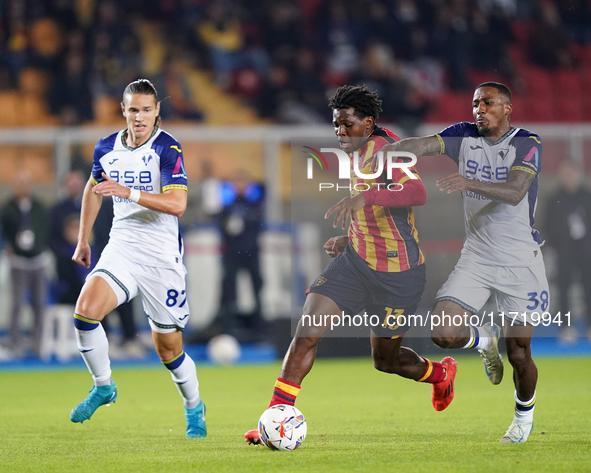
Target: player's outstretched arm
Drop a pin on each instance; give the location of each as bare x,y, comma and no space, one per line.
91,204
510,192
171,201
423,146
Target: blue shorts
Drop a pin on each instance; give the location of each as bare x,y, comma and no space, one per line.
356,288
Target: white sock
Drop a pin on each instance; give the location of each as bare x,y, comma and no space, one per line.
184,374
94,348
524,410
479,338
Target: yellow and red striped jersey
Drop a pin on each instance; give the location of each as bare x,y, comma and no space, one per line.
385,237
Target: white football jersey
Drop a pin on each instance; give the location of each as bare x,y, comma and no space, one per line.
145,236
497,233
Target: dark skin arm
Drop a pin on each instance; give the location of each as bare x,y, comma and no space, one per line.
510,192
424,146
347,208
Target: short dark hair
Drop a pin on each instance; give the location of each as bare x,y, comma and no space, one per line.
358,97
144,87
502,88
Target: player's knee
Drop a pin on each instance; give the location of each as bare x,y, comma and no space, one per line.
382,365
165,353
168,345
443,337
167,349
443,342
519,356
89,308
96,300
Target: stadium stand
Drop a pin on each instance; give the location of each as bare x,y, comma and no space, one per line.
274,60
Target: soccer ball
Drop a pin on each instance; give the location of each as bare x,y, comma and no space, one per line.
223,349
282,427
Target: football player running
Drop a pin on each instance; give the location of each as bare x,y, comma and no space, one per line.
498,168
141,168
378,266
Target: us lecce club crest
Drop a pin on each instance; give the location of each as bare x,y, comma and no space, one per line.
320,281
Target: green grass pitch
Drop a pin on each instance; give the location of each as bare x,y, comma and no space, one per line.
358,420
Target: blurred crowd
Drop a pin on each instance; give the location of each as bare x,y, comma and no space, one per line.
81,51
284,56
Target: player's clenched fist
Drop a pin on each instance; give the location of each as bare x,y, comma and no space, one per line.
336,245
82,256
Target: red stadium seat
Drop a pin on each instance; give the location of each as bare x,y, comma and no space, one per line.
519,114
567,95
587,156
578,51
335,79
567,81
451,107
585,73
539,105
537,80
539,108
569,110
521,31
478,77
517,55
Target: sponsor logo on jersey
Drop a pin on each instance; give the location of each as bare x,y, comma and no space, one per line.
532,157
116,159
392,254
475,147
179,168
